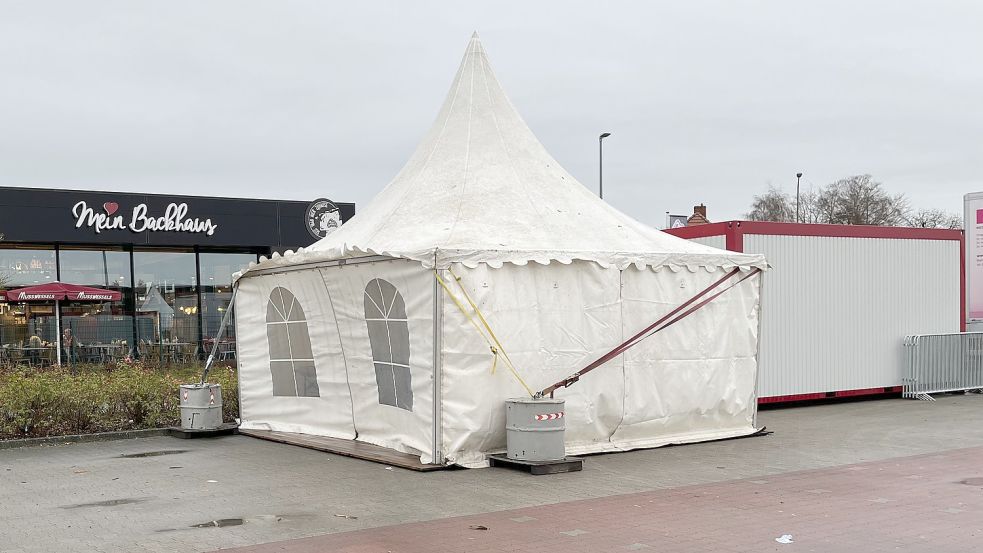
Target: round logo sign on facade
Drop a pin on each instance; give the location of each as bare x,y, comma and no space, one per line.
323,218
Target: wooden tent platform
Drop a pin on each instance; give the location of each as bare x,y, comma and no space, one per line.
347,448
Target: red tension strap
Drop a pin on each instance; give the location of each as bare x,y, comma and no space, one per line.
651,329
701,304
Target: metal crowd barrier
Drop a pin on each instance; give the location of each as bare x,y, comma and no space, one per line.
939,363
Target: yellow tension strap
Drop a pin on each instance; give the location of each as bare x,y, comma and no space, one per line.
496,347
464,310
470,319
491,333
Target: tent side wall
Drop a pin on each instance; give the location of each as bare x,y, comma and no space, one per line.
694,381
268,394
384,312
371,327
551,319
840,299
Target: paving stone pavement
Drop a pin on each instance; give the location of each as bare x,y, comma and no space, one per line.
87,497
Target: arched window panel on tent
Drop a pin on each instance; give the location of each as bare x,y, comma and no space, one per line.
389,336
291,358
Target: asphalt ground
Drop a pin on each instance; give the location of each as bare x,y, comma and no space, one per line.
165,494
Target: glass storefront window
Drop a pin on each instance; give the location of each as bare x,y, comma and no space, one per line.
100,268
216,290
166,294
97,326
26,267
20,322
160,300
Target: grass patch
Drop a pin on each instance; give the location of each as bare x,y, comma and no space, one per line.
96,398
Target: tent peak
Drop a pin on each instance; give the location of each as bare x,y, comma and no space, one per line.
480,187
474,47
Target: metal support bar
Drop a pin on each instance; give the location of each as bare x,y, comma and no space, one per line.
218,335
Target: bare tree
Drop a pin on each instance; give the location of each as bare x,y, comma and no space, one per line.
859,200
856,200
823,206
935,218
773,205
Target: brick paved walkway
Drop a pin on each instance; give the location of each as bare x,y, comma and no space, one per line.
921,503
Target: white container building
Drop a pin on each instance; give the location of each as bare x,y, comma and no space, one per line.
839,300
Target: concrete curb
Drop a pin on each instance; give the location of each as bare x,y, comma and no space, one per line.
79,438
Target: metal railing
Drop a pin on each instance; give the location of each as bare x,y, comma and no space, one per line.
939,363
105,339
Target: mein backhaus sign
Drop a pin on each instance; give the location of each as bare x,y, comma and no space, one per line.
174,219
41,216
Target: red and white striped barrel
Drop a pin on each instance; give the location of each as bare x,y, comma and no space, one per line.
201,406
534,429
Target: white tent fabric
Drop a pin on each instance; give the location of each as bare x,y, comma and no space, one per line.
480,188
354,338
690,383
693,382
347,403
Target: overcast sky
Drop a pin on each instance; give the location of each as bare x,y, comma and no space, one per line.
706,101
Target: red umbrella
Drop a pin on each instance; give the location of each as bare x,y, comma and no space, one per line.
58,291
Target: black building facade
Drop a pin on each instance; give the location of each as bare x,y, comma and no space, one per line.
171,257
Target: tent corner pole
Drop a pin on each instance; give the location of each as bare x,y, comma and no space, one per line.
438,425
757,360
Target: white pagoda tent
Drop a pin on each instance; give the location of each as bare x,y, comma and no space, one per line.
370,334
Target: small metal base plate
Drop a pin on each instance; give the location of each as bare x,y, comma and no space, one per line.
226,429
567,464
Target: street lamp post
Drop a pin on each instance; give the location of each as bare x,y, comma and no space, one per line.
798,177
600,159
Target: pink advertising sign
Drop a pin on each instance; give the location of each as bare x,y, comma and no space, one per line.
974,255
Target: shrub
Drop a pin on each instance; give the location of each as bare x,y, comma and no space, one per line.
59,401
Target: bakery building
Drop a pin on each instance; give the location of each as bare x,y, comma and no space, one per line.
171,258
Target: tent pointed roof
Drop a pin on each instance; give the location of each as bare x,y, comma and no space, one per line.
481,188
